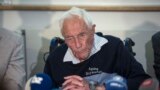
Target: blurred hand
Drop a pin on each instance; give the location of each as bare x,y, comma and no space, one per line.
101,87
75,82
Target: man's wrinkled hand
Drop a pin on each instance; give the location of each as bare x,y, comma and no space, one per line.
75,82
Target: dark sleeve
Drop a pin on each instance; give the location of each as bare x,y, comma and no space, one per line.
55,58
129,68
47,69
156,50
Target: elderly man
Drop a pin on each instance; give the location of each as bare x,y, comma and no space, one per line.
86,57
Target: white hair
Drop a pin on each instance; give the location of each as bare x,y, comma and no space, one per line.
78,12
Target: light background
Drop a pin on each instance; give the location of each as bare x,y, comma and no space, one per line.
41,26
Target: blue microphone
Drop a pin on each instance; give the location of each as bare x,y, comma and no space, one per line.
116,83
41,81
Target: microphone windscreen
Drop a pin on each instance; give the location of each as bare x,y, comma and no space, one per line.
116,83
41,81
150,84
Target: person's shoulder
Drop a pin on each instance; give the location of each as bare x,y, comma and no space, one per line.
61,49
10,35
156,36
58,53
112,39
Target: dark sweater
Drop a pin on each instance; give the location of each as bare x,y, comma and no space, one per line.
156,50
112,58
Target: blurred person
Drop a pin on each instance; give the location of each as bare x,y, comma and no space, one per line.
156,50
12,73
86,56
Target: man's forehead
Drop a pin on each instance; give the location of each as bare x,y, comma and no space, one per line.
74,23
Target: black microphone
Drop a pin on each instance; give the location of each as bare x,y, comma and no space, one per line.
41,81
55,42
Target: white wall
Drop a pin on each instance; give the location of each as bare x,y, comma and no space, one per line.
41,26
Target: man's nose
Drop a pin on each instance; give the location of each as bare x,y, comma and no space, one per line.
77,43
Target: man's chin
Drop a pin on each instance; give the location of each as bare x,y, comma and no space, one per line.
82,57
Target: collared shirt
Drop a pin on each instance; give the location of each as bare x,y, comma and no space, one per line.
97,44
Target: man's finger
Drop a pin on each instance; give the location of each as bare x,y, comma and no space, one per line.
69,87
68,81
74,82
74,76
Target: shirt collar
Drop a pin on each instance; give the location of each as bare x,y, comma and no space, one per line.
98,43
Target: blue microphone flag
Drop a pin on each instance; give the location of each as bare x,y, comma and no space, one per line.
41,81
